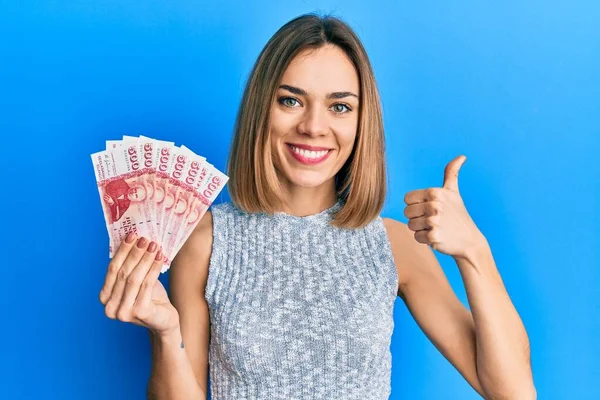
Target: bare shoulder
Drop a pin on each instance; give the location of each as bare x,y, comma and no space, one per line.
408,253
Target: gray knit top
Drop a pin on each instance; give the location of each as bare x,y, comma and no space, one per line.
299,309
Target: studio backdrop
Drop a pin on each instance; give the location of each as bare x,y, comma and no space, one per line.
513,85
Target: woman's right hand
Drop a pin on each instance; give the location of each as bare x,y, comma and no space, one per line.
132,291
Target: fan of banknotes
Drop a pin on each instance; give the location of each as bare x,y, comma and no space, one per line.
155,189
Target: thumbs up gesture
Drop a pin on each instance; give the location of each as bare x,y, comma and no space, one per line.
439,218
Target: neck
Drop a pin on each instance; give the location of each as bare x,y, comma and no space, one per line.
303,201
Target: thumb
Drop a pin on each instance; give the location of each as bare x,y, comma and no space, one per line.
451,173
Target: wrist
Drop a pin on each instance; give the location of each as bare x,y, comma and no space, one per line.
478,250
167,335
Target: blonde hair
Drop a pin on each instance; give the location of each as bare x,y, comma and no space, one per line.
361,182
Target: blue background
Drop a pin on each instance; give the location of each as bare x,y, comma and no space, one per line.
513,86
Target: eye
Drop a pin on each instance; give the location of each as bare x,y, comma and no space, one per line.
288,101
341,108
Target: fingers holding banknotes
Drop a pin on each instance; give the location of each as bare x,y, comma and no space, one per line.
132,291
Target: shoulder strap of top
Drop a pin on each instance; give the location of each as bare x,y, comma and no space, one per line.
221,222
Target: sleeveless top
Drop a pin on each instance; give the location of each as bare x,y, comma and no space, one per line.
299,309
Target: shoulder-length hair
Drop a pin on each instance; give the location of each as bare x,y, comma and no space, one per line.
361,182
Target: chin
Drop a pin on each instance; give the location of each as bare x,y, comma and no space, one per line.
307,180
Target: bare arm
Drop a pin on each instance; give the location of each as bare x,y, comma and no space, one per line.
491,351
180,358
172,374
503,350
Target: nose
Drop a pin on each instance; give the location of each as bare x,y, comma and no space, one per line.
314,122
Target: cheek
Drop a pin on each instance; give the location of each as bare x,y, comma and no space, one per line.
281,125
346,139
281,122
346,130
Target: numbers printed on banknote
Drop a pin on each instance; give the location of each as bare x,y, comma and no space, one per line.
155,189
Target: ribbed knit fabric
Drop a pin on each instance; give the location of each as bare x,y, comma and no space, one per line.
299,309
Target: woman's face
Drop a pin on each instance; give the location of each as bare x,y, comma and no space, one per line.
315,107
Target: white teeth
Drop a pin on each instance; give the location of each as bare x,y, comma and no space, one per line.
308,153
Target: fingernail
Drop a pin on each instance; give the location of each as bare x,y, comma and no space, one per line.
152,247
159,256
130,236
141,243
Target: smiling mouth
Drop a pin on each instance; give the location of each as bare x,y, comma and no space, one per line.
309,157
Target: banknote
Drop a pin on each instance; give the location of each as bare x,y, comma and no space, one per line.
120,180
202,197
183,191
155,189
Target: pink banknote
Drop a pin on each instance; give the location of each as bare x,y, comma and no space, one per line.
155,189
120,179
208,186
183,181
164,198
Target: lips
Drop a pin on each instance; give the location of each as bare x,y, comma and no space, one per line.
306,158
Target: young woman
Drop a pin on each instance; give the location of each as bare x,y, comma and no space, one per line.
288,291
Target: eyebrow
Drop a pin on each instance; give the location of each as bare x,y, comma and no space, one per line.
302,92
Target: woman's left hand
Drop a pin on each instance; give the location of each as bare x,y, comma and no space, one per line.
439,218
